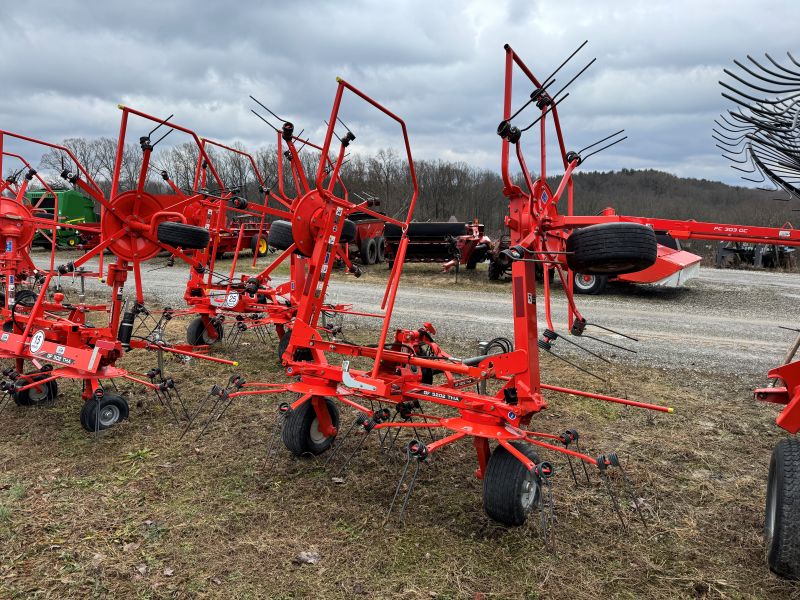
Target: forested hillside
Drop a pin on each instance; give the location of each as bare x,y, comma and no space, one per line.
446,189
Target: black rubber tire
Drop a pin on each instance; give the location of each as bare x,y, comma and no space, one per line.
301,354
298,426
348,231
254,245
280,235
32,397
595,286
495,270
478,256
611,249
25,297
196,334
369,251
381,245
503,485
182,235
113,409
427,230
782,515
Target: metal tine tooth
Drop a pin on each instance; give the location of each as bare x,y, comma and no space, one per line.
359,420
399,483
581,347
613,331
602,341
632,493
410,489
572,364
613,496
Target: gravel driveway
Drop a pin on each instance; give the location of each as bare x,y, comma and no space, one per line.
725,320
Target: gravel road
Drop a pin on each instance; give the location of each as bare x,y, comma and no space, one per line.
725,320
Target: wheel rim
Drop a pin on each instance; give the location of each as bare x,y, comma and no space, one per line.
109,415
772,508
36,396
71,241
262,246
584,282
315,434
529,493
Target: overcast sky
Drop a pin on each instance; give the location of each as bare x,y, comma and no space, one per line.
437,63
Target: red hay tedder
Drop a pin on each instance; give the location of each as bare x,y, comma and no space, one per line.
405,381
59,338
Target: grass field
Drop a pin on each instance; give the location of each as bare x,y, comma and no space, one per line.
140,513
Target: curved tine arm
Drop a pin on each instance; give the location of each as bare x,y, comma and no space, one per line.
186,130
247,155
786,80
794,74
69,153
329,135
752,98
752,85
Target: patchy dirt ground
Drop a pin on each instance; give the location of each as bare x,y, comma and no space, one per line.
140,512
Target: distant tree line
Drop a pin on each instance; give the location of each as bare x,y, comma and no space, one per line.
446,189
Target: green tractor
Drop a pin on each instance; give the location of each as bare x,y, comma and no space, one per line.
73,208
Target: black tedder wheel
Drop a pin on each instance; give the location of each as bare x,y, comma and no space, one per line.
348,231
381,244
299,354
182,235
611,249
369,251
782,526
301,434
280,235
588,284
106,412
196,333
510,491
496,270
33,396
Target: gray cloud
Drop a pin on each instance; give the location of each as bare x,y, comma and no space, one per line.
67,64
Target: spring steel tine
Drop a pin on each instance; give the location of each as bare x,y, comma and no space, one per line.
167,404
268,110
197,412
582,348
265,121
399,484
359,420
282,412
606,147
160,123
572,469
613,331
410,489
608,137
546,112
632,493
219,415
4,401
353,453
613,496
572,364
585,470
602,341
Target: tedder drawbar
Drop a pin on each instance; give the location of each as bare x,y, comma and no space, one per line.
405,381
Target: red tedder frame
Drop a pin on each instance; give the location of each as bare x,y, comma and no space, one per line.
401,366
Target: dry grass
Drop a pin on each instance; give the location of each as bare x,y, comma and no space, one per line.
139,513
